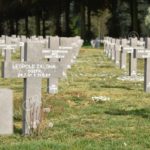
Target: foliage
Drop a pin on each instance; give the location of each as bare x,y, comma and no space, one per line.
147,20
74,17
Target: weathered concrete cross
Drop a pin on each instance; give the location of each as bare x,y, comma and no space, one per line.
54,54
145,54
32,70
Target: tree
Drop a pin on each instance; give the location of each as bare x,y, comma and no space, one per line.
134,15
67,18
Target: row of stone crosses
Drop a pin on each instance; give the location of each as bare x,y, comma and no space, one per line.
117,50
40,58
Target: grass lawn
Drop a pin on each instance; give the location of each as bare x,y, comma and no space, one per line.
123,123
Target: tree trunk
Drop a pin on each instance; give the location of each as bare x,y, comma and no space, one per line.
27,26
12,30
114,24
134,15
89,36
82,13
67,23
43,23
58,22
17,27
89,19
38,26
1,27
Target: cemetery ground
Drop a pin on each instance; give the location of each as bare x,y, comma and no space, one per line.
78,119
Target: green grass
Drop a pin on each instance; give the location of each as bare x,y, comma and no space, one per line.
123,123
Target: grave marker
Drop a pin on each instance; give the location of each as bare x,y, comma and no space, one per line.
132,60
6,112
117,52
112,49
144,54
53,54
123,54
32,71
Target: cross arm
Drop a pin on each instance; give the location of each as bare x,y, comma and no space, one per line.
30,69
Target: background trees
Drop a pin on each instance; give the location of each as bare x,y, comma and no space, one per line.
86,18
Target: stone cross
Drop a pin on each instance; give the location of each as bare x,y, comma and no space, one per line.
147,43
6,112
59,57
132,60
66,44
32,70
144,54
117,52
5,47
54,54
106,44
13,48
123,58
112,49
110,46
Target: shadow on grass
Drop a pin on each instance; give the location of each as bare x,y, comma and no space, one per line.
101,84
106,66
116,87
144,112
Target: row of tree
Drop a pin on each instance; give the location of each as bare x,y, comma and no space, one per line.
128,16
71,17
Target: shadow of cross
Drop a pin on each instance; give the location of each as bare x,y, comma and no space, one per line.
32,70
